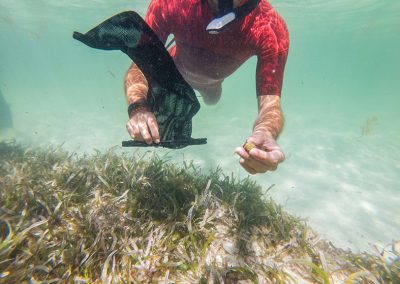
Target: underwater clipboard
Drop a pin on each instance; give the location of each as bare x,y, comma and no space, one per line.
171,99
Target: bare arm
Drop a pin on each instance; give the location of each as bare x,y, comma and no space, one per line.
142,124
136,86
267,154
261,153
270,118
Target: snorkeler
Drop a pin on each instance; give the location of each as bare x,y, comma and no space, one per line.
212,39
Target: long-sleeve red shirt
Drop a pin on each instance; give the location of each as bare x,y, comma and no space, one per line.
207,59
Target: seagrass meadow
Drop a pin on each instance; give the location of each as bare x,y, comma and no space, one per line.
113,218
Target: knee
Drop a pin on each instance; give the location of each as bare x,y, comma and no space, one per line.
208,100
211,97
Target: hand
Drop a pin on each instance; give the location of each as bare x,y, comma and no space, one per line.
265,156
142,126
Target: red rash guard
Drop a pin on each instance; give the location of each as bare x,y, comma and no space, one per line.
205,60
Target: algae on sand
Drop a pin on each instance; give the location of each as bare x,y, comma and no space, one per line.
113,218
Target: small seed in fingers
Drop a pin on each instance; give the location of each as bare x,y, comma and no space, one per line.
248,146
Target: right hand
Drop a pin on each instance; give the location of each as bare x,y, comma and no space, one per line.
142,126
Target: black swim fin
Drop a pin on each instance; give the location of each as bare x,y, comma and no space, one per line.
172,144
170,97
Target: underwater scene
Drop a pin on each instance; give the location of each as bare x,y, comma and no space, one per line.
77,207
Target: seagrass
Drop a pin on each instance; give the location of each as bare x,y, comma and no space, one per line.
117,218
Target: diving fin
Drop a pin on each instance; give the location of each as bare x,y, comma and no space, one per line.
170,97
172,144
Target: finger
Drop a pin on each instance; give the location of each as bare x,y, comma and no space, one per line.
153,126
259,166
144,131
273,157
133,130
249,169
250,164
265,161
241,152
130,129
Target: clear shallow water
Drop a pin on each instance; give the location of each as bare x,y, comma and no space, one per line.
340,99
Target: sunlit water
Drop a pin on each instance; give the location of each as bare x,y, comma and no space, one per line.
341,101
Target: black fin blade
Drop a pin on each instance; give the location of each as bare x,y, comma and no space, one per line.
170,97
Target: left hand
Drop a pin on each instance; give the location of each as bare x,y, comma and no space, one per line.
266,155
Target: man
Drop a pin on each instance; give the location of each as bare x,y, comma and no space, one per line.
213,38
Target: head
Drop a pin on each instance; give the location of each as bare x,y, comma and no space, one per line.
227,11
217,6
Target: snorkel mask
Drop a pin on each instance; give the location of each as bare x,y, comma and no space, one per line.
227,14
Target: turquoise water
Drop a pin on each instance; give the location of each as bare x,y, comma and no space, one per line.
341,100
